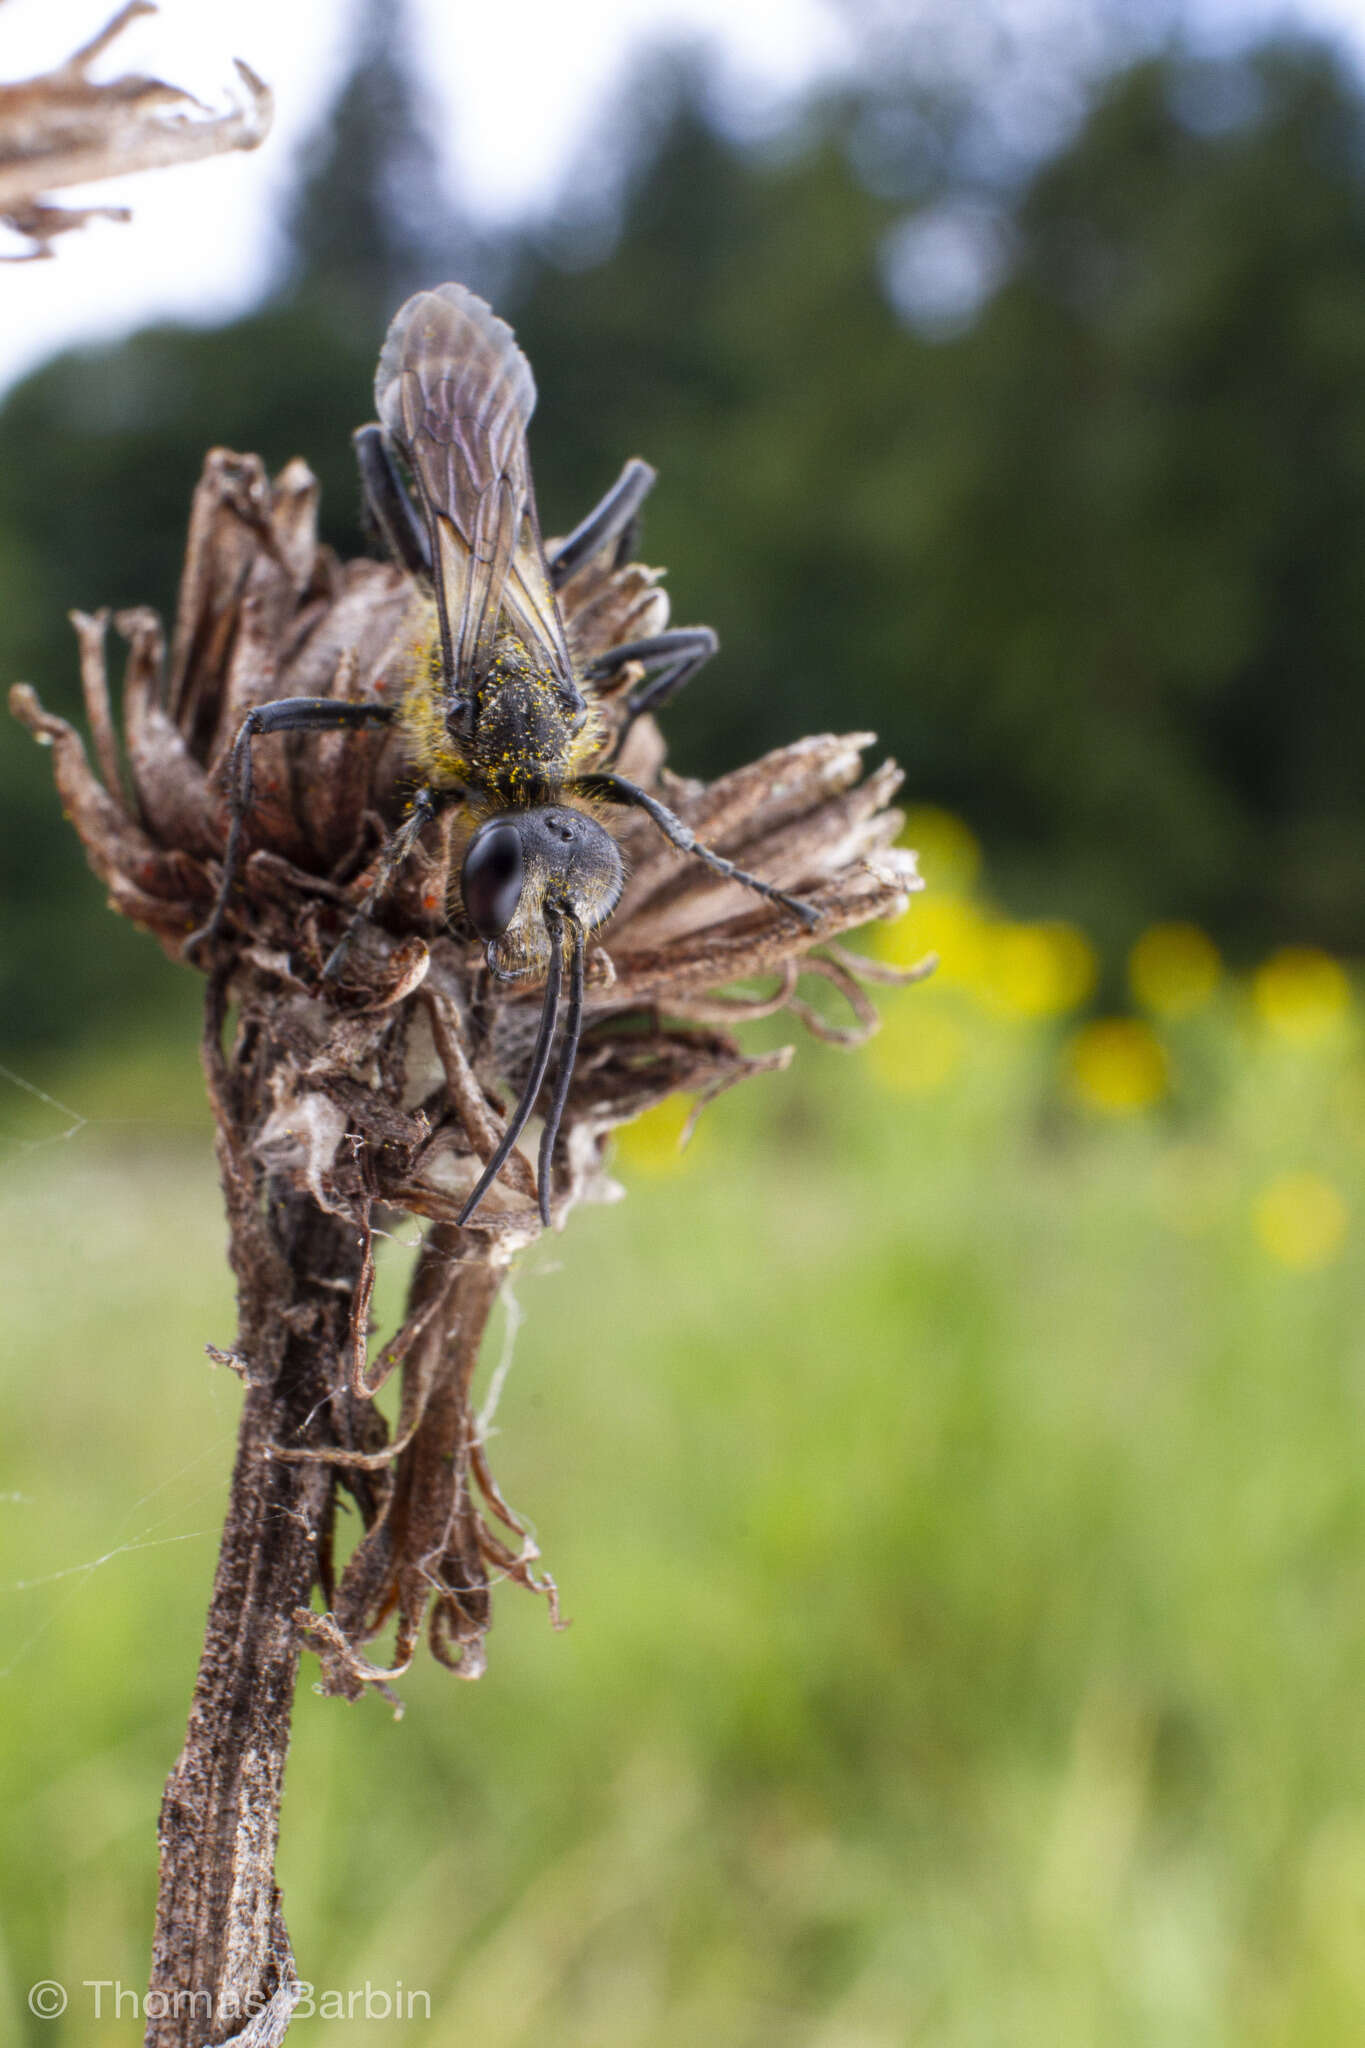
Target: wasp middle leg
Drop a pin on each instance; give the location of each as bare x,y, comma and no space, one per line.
286,714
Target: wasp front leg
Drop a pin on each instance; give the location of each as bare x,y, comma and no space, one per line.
427,805
616,790
286,714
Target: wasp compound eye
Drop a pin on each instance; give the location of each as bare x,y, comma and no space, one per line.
494,868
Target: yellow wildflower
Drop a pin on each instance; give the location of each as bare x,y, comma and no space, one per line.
949,851
1173,969
1117,1065
1038,970
918,1049
1301,1220
653,1142
1301,992
950,926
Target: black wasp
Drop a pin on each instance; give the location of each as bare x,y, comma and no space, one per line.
494,714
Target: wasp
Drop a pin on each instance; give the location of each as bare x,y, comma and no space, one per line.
494,715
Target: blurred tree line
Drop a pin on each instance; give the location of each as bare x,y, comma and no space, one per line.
1086,554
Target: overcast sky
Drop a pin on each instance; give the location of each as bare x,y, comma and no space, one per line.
199,244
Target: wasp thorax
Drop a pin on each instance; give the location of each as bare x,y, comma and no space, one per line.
525,871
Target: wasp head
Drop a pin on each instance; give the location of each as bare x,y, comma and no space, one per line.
522,864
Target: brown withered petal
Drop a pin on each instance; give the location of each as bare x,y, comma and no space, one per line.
66,128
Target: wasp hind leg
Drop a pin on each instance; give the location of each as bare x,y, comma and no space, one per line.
676,656
389,502
615,789
613,520
286,714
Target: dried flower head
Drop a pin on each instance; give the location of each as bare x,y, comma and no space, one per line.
385,1092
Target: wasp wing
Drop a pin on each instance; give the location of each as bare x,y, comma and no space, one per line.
456,394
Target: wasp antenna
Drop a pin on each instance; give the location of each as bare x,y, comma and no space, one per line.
567,1057
540,1060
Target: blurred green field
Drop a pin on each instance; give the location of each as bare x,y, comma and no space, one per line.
953,1469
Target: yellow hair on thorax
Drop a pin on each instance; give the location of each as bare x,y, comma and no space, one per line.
423,709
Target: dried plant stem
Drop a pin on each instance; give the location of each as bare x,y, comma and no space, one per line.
220,1950
221,1955
222,1966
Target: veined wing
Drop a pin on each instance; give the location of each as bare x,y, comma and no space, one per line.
456,394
